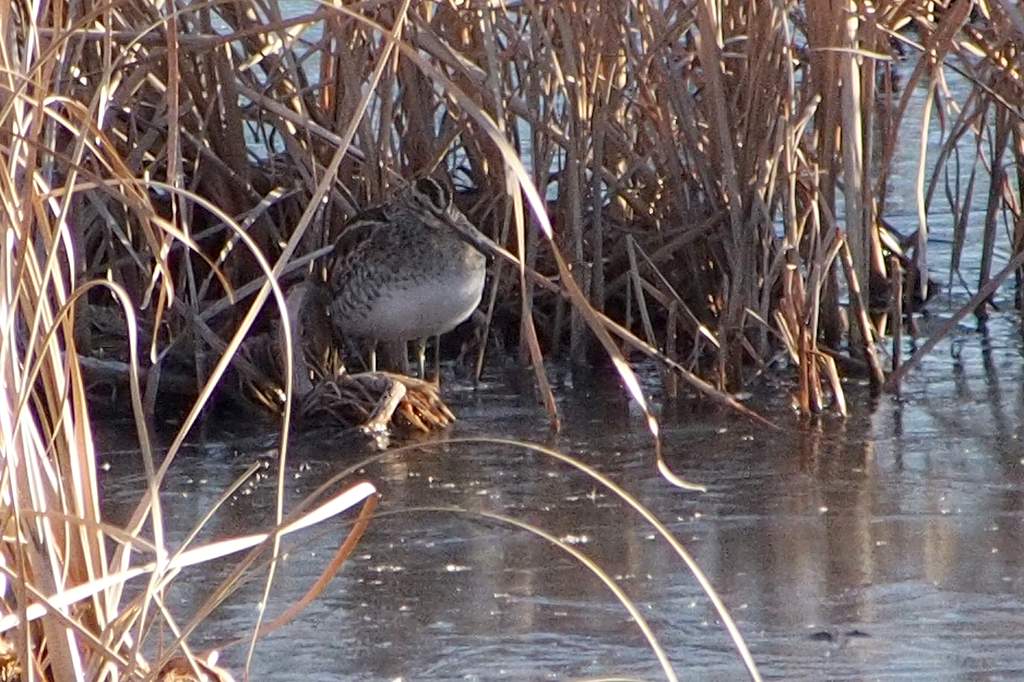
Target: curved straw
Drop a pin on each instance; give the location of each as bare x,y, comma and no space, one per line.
209,552
723,613
702,579
609,582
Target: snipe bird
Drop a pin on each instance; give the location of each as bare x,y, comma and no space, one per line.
408,269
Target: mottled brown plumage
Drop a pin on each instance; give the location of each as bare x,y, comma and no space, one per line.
406,270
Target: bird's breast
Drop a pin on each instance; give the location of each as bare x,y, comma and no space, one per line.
416,305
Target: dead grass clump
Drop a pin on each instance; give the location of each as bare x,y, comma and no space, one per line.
375,401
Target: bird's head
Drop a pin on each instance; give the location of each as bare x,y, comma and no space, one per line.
433,203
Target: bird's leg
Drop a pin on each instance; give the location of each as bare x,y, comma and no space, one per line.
373,356
403,357
395,357
437,360
421,356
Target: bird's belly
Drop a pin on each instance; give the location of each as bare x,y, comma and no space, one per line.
417,309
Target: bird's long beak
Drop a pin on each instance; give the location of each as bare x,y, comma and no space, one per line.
468,233
477,239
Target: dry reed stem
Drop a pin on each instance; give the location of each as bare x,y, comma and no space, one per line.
867,335
897,320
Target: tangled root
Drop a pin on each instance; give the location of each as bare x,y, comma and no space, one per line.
375,401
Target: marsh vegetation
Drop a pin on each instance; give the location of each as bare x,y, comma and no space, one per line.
702,184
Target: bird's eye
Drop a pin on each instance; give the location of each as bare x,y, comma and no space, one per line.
434,194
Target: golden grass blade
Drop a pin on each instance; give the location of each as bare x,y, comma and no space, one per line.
208,552
328,574
56,610
297,520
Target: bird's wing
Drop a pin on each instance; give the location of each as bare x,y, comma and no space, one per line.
351,276
353,241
